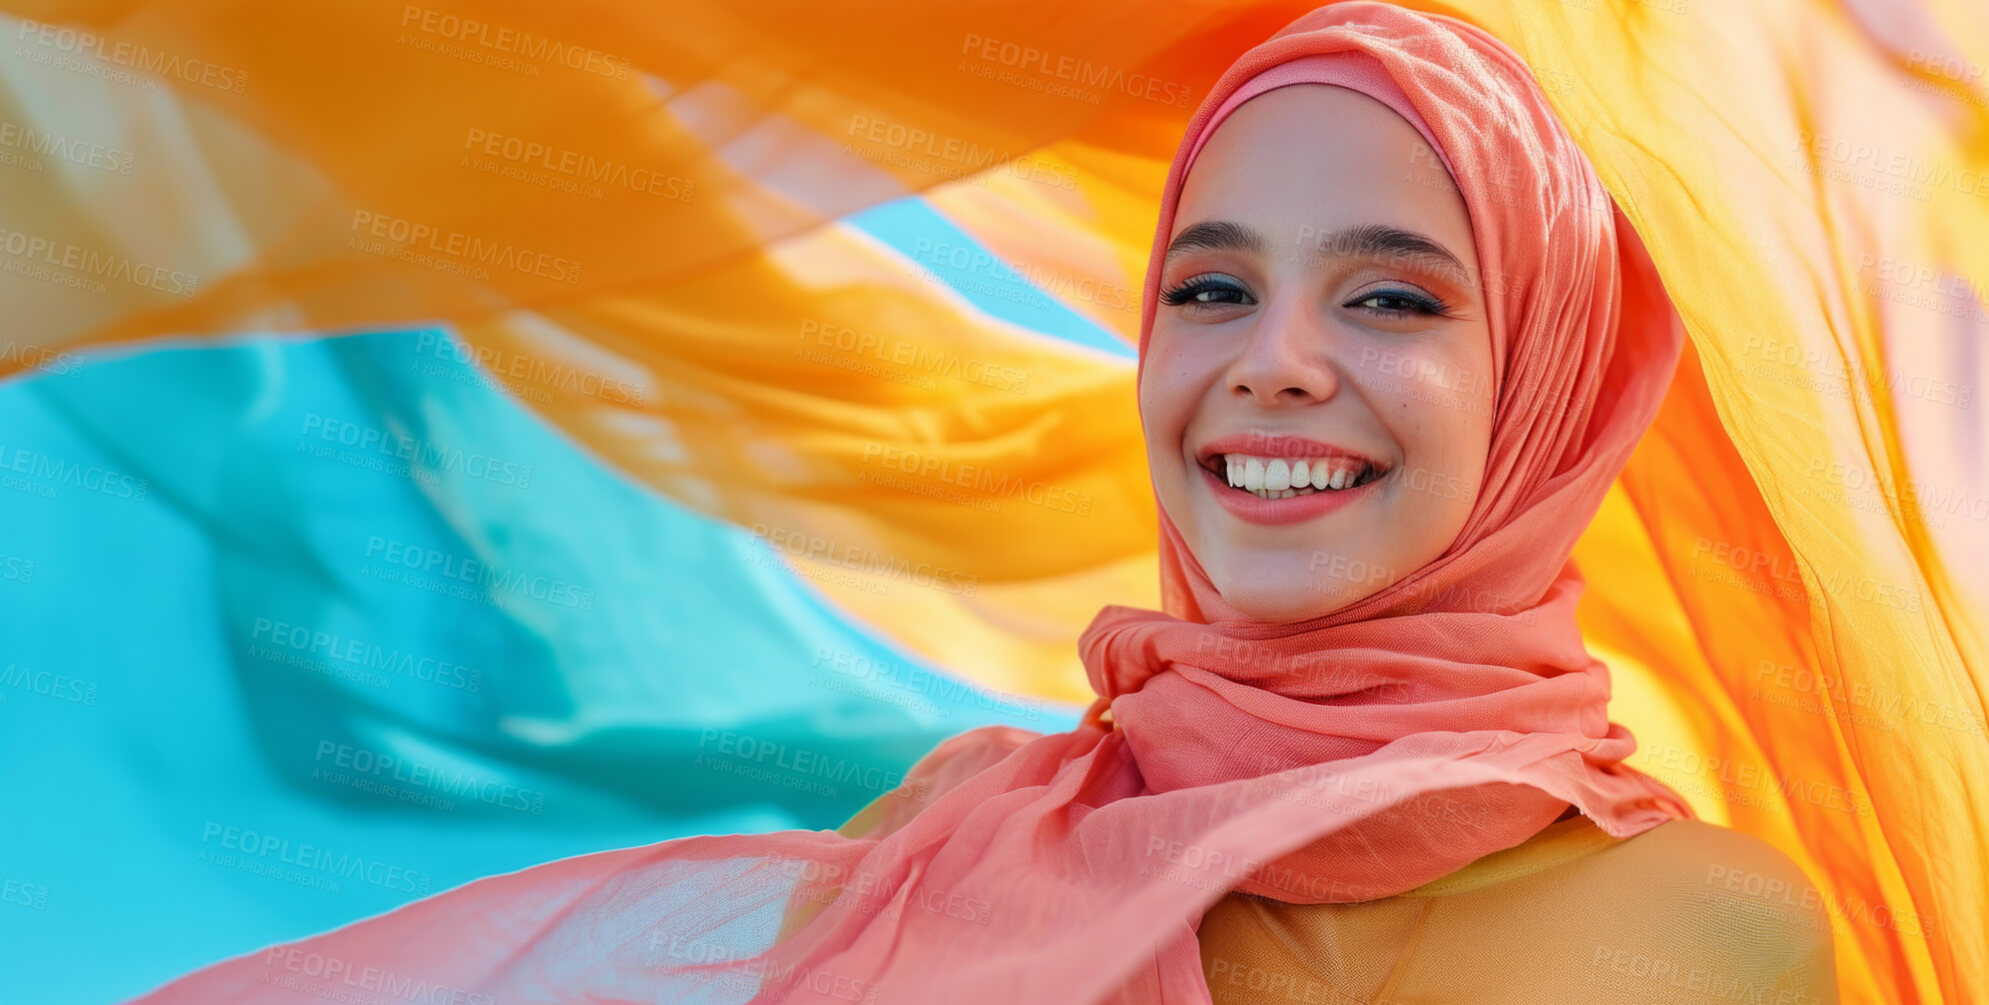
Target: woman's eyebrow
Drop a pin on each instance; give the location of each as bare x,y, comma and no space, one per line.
1216,235
1368,240
1373,240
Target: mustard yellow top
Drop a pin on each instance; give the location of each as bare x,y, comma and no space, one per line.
1685,912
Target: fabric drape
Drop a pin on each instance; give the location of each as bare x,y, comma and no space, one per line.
1787,580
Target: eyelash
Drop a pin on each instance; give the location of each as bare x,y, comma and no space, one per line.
1420,303
1194,287
1423,303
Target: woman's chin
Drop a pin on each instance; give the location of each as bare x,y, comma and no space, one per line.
1287,573
1281,599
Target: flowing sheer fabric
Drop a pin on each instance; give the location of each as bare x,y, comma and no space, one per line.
1348,758
1788,583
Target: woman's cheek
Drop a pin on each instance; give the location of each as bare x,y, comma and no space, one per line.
1168,391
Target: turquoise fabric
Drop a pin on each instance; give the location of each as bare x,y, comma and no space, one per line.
295,631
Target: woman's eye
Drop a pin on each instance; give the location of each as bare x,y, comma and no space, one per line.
1395,303
1206,290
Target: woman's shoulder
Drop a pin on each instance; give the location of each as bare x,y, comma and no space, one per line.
1700,879
1684,911
1694,861
1734,904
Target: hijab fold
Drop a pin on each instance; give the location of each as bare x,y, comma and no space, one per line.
1346,758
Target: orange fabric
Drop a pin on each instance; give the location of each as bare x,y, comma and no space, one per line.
1686,912
1787,582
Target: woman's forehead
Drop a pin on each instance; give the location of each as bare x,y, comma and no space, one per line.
1317,169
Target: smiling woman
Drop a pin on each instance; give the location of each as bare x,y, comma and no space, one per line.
1315,249
1323,332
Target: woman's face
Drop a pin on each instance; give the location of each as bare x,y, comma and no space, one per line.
1320,325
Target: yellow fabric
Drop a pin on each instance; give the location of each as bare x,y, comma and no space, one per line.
1791,581
1685,912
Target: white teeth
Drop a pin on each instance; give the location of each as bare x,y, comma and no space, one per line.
1277,476
1282,478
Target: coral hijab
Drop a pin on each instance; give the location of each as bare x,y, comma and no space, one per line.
1351,757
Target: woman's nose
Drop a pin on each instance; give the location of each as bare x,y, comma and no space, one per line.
1289,356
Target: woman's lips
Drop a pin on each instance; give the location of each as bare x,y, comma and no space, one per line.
1248,506
1284,445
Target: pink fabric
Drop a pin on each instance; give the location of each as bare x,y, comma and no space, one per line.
1348,758
1348,68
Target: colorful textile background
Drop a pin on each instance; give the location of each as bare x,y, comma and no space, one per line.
443,439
